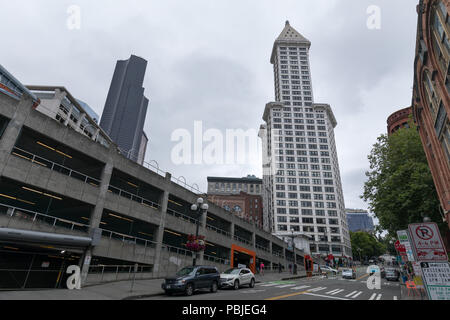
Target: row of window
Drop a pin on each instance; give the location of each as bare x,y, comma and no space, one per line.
307,212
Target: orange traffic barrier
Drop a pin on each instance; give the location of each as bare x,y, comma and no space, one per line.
410,285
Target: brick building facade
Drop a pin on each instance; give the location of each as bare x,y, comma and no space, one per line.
398,119
431,98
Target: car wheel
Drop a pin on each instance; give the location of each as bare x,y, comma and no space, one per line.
189,289
214,287
169,293
252,283
236,285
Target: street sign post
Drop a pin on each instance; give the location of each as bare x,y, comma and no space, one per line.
436,276
403,238
427,242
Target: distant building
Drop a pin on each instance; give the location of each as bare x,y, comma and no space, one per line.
126,107
359,220
241,196
398,119
59,104
431,93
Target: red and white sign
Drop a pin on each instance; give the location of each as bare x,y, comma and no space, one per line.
427,242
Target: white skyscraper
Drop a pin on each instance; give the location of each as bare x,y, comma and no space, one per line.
302,184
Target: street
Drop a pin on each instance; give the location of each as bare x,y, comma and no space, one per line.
316,288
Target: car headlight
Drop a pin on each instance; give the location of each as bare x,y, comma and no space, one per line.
181,282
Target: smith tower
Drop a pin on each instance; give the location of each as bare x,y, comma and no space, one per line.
301,178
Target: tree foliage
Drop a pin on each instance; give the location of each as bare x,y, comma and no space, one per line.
365,245
400,188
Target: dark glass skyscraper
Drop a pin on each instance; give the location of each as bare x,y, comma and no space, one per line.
126,106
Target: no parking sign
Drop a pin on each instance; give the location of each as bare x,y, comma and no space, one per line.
427,242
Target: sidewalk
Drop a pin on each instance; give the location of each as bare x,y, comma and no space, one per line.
119,290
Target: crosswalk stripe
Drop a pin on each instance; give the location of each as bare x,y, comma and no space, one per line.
350,294
395,297
317,289
339,291
300,287
285,286
269,284
329,292
356,295
373,296
379,297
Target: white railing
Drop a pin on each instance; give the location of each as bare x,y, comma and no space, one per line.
133,197
34,217
54,166
226,233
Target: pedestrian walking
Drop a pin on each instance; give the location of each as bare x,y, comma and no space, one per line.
290,268
261,267
279,268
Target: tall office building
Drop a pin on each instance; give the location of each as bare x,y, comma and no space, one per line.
126,107
301,180
359,220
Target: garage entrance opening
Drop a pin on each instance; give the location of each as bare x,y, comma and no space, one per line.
242,256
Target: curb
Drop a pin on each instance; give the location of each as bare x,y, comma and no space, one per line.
143,296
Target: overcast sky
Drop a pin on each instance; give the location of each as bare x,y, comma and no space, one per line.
209,61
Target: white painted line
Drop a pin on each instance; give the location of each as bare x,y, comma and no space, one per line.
350,294
269,284
300,287
373,296
379,297
329,297
329,292
339,291
317,289
285,286
395,297
356,295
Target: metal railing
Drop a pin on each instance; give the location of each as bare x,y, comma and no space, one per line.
262,248
226,233
242,240
133,197
176,250
128,239
35,217
216,259
182,216
191,188
54,166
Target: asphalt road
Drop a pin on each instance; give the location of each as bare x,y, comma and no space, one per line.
317,288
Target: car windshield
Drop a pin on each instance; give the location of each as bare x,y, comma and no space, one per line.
232,271
185,271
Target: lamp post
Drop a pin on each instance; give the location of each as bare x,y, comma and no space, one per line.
200,208
359,249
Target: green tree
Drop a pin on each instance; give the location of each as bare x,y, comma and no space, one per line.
400,188
365,245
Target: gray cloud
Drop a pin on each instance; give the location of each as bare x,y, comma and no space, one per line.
209,61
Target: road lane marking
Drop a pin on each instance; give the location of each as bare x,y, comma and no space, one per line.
357,295
329,297
317,289
329,292
339,291
350,294
287,295
285,286
395,297
379,297
366,275
300,287
373,296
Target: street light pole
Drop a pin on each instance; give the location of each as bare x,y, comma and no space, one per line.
200,208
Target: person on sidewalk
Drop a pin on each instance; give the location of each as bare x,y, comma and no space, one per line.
295,269
279,268
261,268
290,268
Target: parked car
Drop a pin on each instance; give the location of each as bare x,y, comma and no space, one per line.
392,274
348,274
328,269
237,277
190,279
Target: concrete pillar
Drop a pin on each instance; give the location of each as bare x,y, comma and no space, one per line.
96,217
82,117
160,233
12,131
